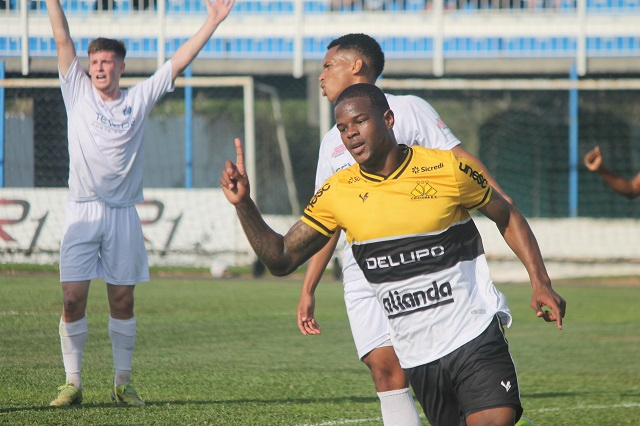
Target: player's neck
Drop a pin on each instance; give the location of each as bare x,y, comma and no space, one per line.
394,158
109,95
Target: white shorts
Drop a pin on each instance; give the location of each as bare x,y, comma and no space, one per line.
369,323
99,241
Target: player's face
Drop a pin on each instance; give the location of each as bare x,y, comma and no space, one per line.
337,72
365,132
105,69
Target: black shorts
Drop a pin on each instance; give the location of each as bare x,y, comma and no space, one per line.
477,376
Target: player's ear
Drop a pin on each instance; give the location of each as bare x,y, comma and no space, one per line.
357,66
389,118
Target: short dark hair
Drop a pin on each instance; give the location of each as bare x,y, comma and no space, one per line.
102,44
365,45
365,90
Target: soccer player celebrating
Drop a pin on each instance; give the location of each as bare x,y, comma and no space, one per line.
102,235
351,59
427,267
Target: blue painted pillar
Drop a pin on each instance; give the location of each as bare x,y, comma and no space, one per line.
573,145
188,131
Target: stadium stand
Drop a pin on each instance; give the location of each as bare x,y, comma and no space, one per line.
441,32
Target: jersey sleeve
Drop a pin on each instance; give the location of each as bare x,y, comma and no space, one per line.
74,85
474,188
418,123
319,212
324,169
155,86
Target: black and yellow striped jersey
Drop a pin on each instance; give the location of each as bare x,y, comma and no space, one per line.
413,238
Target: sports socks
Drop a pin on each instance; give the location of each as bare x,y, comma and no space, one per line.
73,336
398,408
123,336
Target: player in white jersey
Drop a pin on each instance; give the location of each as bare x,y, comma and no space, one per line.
428,271
102,235
351,59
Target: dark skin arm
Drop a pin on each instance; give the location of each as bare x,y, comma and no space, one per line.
515,229
307,303
630,188
280,254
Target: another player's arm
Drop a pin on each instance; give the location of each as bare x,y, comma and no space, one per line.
459,151
518,234
61,35
217,11
280,254
307,302
630,188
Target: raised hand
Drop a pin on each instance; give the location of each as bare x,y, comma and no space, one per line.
593,159
234,181
219,9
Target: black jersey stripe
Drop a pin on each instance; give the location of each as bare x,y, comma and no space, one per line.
318,224
486,194
404,258
405,163
408,155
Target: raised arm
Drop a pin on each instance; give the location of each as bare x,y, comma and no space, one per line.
307,303
61,35
459,151
519,236
630,188
280,254
217,12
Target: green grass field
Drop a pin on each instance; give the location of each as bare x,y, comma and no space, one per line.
228,352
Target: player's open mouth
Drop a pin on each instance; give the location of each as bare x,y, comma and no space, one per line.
356,148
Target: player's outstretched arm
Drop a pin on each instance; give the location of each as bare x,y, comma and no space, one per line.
61,35
217,11
547,304
630,188
280,254
307,304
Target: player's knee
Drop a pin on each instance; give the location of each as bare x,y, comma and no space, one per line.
385,369
73,307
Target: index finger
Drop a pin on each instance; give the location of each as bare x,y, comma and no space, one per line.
239,156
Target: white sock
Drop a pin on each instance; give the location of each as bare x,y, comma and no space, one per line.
398,408
123,337
73,336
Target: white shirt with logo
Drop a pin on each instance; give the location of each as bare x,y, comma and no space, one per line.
105,138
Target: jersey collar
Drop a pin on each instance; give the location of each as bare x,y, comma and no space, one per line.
408,155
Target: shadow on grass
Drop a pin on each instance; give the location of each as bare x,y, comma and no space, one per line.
353,399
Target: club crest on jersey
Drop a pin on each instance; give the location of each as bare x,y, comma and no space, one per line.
423,190
396,304
127,110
